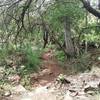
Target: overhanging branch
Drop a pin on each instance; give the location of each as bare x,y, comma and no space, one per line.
90,9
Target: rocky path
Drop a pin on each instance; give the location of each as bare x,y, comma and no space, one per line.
85,86
49,71
52,84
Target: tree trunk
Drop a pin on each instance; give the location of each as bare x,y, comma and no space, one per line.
69,46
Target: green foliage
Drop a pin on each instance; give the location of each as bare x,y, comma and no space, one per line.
60,56
31,59
25,59
71,9
82,62
24,55
5,52
92,38
25,81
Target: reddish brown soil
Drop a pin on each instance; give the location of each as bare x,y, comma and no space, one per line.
49,70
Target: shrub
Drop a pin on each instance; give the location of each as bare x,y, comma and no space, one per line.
82,63
60,55
31,59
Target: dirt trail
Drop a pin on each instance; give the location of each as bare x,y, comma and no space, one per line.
49,70
82,86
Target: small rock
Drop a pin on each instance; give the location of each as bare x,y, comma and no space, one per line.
19,88
34,76
15,78
41,90
2,69
68,97
61,78
45,71
98,58
7,93
22,66
90,90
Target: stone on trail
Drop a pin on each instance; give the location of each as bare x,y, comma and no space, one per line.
19,89
67,96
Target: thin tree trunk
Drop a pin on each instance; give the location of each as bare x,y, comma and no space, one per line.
86,24
69,46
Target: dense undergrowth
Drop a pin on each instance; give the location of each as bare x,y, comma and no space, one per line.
19,61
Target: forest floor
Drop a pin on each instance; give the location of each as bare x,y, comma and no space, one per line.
52,83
